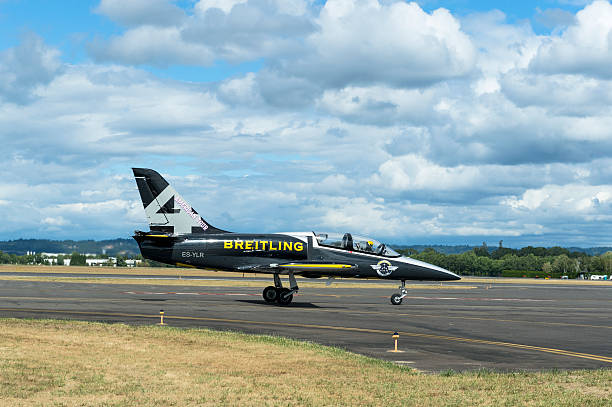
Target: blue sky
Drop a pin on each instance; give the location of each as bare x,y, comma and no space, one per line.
431,122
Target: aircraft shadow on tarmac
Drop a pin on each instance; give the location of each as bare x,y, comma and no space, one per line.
293,304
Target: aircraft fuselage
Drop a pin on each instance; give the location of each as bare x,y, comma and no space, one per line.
281,253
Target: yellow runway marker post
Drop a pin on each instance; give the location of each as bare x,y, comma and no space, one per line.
395,337
161,317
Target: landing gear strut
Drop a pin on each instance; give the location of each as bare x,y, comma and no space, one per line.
277,293
396,299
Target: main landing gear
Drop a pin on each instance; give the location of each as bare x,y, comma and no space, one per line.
277,293
396,299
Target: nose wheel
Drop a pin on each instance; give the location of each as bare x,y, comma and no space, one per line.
396,299
278,294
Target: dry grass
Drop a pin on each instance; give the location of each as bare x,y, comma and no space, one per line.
75,363
512,280
220,283
191,272
136,271
184,272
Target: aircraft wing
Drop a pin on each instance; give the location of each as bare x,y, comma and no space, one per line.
300,267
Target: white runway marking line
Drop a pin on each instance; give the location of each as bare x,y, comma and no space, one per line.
182,293
412,297
480,299
84,276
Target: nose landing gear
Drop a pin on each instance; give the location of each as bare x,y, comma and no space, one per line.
396,299
278,294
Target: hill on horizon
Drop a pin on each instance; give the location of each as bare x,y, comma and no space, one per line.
111,247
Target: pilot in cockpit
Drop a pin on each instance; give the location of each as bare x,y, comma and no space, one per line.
365,246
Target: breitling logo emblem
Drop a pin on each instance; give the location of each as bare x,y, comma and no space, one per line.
383,268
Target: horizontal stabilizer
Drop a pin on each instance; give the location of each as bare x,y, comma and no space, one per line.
156,238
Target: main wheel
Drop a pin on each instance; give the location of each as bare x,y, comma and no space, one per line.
283,298
396,299
270,294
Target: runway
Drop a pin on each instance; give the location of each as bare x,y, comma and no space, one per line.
503,327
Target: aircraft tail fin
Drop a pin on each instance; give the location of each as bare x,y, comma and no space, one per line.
166,210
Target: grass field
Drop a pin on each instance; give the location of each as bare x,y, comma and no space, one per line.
191,272
216,283
110,273
62,363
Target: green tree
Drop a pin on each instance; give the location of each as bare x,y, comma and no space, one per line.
529,262
564,265
39,259
77,259
606,262
27,259
502,251
536,251
482,251
547,268
557,251
595,265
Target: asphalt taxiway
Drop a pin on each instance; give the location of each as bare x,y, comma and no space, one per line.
497,326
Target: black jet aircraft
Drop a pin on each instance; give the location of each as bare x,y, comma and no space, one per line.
180,236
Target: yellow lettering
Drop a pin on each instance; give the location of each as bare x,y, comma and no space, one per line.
263,244
272,247
287,245
239,243
227,244
298,246
248,245
256,244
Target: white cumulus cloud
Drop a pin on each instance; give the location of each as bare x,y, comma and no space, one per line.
402,45
24,68
584,47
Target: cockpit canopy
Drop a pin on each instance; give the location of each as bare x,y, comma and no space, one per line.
356,243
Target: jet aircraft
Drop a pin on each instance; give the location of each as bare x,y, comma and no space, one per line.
180,236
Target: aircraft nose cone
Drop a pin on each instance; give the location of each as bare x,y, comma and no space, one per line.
443,274
434,272
450,276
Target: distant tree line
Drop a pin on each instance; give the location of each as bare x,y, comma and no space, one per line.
529,261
